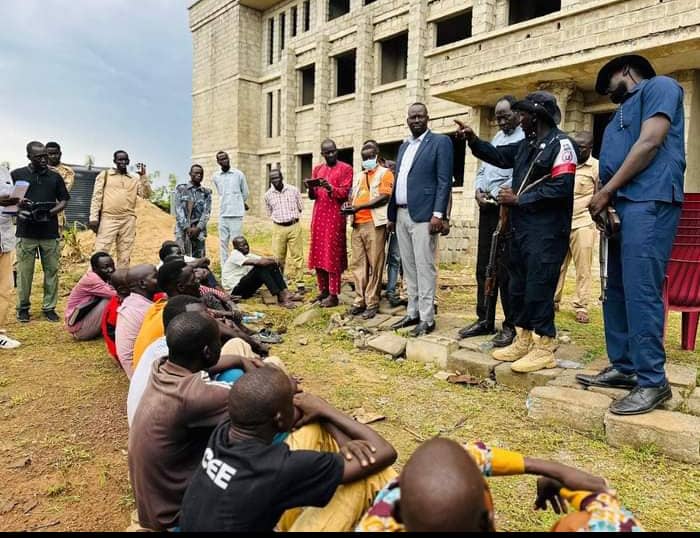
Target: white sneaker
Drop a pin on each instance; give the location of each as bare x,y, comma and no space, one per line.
8,343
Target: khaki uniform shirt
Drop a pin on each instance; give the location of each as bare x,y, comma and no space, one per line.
68,175
584,188
116,196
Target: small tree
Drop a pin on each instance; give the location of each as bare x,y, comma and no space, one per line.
89,161
161,196
5,164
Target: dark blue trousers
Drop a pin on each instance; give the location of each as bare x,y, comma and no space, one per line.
536,255
633,309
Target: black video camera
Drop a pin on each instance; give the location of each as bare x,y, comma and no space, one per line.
35,211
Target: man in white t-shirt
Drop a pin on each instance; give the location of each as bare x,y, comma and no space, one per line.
244,273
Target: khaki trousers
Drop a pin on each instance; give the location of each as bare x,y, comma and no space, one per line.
350,501
121,231
5,285
581,245
367,266
287,240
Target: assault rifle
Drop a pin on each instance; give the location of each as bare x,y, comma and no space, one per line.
491,283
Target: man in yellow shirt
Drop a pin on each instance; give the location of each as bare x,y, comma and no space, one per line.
370,195
113,207
583,230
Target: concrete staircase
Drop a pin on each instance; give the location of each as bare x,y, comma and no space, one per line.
553,395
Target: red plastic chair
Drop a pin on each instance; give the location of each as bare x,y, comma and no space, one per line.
682,284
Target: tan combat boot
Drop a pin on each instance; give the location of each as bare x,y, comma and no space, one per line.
518,349
541,356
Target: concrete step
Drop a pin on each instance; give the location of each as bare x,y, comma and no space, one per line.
578,409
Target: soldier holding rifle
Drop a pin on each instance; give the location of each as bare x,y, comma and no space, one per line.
541,204
491,261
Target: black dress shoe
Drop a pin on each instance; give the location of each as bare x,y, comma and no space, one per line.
51,316
422,329
370,313
478,328
505,337
356,310
641,400
406,321
610,378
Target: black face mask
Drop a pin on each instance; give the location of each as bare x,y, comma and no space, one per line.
619,94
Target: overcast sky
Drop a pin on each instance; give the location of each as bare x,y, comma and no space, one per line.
96,76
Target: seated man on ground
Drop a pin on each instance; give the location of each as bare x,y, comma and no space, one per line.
178,278
175,417
89,298
442,489
109,316
246,481
142,282
172,248
159,349
244,273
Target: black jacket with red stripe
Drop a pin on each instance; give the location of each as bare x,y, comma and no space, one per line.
548,205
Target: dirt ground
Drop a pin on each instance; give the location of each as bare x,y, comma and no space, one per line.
63,429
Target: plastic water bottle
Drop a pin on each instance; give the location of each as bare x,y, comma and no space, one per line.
253,317
569,365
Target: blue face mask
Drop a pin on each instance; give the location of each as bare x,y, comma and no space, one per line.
369,164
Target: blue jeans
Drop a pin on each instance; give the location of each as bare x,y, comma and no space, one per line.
393,264
229,228
634,309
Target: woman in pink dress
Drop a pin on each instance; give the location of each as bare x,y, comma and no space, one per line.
327,253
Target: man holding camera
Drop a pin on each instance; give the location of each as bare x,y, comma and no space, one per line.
37,228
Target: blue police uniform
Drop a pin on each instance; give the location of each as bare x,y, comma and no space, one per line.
540,223
649,210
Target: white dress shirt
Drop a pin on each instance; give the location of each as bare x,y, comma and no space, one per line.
405,168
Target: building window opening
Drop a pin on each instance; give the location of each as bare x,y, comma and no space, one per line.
294,16
459,151
389,151
524,10
279,112
453,29
394,58
283,23
268,117
338,8
307,15
345,74
306,166
308,85
271,41
346,155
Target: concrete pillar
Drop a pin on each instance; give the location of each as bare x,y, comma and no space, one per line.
483,16
289,98
690,80
324,74
563,91
417,39
363,85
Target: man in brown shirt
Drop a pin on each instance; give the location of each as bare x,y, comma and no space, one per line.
583,231
113,207
178,411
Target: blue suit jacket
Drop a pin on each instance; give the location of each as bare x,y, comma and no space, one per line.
429,179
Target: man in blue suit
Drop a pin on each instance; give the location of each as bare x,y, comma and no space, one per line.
416,211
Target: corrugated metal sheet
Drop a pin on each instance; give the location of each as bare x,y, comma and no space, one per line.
78,209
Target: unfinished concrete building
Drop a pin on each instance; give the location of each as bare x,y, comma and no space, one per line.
272,79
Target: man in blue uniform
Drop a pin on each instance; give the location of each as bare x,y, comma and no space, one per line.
192,212
642,162
541,202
